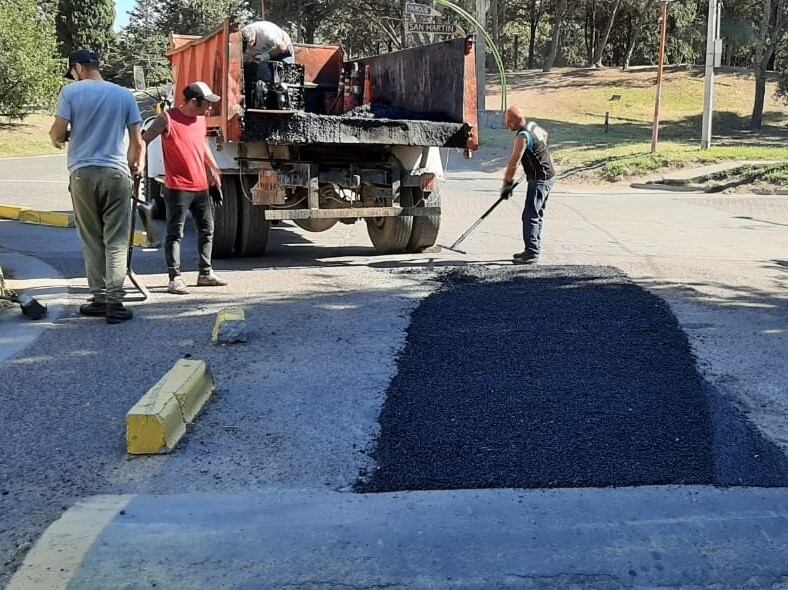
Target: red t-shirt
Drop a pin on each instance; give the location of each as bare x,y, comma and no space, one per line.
183,145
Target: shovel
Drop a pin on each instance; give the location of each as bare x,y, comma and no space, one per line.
470,230
135,195
30,306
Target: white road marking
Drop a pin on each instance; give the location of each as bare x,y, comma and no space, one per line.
51,563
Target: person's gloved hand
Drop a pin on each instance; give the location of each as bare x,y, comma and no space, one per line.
506,190
263,56
216,195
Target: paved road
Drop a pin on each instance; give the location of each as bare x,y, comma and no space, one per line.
298,406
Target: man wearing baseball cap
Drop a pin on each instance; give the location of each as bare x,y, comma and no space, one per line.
94,116
189,171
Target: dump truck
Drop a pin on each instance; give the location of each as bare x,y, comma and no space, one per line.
330,141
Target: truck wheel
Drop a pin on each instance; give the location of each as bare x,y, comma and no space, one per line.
153,195
225,218
425,229
253,227
390,234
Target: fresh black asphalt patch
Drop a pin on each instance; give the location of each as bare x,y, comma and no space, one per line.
556,377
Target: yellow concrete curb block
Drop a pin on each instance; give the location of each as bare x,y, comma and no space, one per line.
49,218
230,326
10,212
158,421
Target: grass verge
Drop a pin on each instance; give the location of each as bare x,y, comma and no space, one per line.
29,137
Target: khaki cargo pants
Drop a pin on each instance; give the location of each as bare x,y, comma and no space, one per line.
102,207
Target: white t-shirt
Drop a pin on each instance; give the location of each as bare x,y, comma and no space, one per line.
266,35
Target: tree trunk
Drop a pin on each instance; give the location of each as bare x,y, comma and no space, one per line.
600,47
633,41
756,121
536,15
555,43
771,32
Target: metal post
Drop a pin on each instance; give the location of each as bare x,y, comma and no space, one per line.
482,6
708,99
662,40
262,9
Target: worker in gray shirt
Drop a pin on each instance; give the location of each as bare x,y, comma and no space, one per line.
94,116
265,41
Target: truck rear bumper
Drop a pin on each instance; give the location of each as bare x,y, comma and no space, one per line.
348,213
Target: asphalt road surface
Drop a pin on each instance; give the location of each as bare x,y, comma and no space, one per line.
297,407
552,377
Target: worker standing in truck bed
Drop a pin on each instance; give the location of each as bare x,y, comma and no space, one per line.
265,41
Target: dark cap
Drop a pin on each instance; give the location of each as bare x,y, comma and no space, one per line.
200,90
80,56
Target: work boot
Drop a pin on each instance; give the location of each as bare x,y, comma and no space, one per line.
94,309
177,286
525,257
118,313
210,280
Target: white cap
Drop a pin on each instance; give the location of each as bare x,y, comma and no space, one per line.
200,90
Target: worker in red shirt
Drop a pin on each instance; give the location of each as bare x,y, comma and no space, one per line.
189,171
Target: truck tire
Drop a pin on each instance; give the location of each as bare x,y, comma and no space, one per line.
425,229
390,235
225,219
153,195
253,227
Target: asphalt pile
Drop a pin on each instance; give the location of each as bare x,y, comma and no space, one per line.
383,111
555,377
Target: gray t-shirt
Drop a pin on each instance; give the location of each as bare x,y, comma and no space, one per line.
267,35
99,113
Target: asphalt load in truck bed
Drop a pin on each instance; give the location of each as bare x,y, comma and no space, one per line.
556,377
366,129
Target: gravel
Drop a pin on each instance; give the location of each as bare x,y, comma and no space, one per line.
556,377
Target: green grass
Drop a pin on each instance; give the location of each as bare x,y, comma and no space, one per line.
29,137
571,104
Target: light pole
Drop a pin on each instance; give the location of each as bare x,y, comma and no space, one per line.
712,51
662,40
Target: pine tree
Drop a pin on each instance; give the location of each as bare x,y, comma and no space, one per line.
85,24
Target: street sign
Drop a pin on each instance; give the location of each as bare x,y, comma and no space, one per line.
417,9
431,28
139,78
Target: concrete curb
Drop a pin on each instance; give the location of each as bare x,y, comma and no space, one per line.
230,326
158,420
48,218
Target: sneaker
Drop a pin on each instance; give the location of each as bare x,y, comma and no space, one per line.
94,309
118,313
525,257
210,280
177,286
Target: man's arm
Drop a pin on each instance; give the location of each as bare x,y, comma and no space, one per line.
59,132
214,174
158,127
518,149
136,153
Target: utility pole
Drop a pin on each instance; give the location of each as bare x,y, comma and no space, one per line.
482,6
662,40
712,34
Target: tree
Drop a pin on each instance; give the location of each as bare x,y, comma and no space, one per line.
603,38
555,44
142,42
772,28
30,73
85,24
198,17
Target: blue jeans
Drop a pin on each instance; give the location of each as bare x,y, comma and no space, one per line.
533,214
